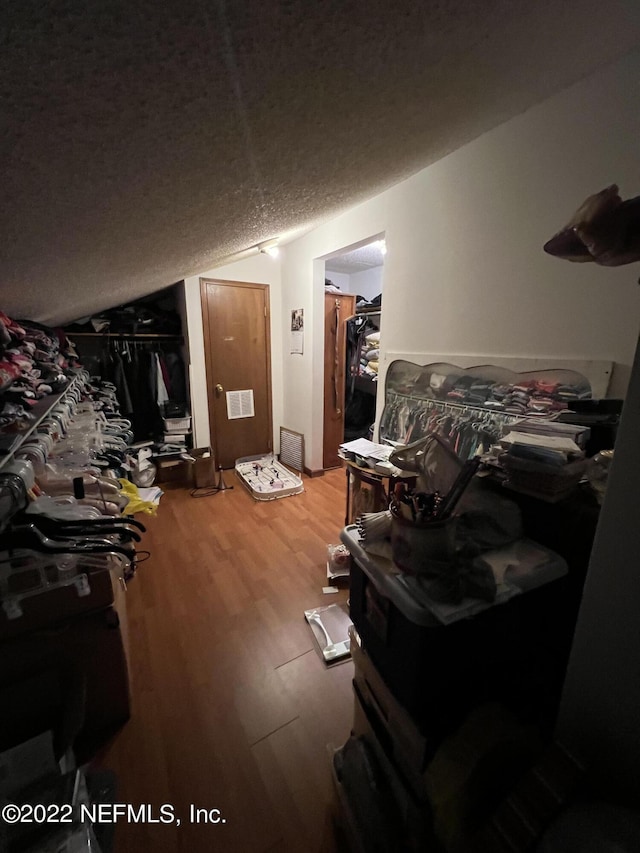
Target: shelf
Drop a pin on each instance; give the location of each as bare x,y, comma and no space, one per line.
175,457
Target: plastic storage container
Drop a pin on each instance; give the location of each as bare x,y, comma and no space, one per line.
177,424
514,651
409,747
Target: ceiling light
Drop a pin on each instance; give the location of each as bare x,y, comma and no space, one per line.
270,247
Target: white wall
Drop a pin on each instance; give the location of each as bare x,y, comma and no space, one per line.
181,308
259,269
465,271
367,283
601,702
340,279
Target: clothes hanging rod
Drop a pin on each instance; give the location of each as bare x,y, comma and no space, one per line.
435,403
126,336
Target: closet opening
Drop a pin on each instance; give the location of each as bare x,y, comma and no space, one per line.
352,322
139,348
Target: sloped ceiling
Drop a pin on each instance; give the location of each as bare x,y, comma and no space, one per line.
144,141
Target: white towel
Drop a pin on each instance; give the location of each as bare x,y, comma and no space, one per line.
161,392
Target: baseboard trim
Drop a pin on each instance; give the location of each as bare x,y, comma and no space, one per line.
319,472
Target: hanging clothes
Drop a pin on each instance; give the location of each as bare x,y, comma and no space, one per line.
162,395
140,372
147,374
119,379
360,378
176,373
406,419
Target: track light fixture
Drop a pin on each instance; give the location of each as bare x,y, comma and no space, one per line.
269,247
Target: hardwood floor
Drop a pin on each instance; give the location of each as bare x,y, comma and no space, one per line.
233,709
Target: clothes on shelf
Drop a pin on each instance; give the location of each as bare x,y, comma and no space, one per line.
370,355
364,304
362,348
155,314
527,396
33,360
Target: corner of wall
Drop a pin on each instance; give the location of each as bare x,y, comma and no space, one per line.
196,365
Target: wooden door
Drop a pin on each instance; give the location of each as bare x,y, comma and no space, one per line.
238,359
337,308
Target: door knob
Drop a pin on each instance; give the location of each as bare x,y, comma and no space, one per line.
219,388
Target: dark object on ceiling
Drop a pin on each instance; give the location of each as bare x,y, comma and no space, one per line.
604,229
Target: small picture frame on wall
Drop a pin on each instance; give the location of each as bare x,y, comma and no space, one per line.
297,331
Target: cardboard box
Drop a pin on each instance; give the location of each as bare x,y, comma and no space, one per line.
82,665
204,468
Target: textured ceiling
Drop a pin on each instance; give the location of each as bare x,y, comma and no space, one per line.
358,260
141,141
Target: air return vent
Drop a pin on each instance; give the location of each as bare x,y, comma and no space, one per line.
292,448
240,404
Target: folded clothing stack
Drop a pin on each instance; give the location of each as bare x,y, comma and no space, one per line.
369,360
530,398
33,361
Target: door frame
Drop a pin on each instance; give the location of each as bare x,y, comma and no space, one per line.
209,366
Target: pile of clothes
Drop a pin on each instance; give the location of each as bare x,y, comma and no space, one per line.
531,397
156,315
33,361
363,304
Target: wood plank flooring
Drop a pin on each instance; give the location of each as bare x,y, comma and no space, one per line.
233,708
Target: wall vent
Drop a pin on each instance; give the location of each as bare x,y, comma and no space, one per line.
292,448
240,404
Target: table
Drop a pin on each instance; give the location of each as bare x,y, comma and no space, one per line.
367,490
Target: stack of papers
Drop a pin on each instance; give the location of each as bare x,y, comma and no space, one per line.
551,450
365,452
580,434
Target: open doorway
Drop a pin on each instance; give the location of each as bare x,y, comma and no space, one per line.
353,313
